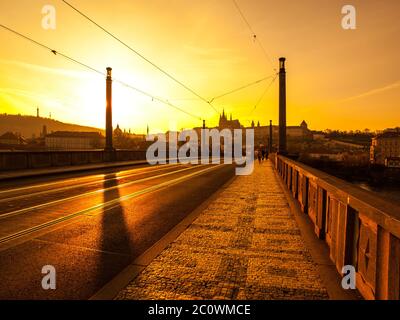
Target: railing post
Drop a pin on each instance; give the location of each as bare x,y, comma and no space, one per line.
321,213
367,257
304,194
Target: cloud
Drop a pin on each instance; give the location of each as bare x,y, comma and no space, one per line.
373,92
10,93
22,93
58,71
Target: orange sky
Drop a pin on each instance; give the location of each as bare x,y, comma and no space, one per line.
336,78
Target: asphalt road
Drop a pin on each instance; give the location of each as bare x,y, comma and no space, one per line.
91,225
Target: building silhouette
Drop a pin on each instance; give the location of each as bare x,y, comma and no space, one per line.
385,149
10,138
261,132
73,140
224,123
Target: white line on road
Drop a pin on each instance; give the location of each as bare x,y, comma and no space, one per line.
48,184
109,204
39,206
29,195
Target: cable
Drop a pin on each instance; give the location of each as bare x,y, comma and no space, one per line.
166,102
157,98
254,35
263,94
241,88
139,54
51,50
184,99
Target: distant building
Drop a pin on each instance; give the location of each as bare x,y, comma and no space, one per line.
261,133
224,123
10,138
385,149
71,140
118,132
301,131
392,162
127,140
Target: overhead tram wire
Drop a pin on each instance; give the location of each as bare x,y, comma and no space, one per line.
164,101
140,55
254,35
263,95
241,88
55,52
51,50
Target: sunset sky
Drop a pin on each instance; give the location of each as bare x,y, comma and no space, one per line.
338,79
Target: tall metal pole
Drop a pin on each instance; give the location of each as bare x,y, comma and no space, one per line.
109,128
270,137
282,107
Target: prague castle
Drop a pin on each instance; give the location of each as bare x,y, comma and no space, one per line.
224,123
261,133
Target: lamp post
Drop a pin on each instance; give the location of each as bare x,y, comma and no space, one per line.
109,129
282,107
270,137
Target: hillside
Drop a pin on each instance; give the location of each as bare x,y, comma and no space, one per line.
29,125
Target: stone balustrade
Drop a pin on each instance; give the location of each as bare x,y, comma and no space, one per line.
19,160
359,228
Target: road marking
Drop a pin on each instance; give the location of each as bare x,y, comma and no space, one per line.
39,206
81,185
76,179
108,204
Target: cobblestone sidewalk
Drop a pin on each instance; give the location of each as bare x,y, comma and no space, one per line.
244,245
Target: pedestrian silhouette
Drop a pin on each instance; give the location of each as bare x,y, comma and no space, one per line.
258,152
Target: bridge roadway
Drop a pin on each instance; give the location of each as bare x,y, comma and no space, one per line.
246,244
91,225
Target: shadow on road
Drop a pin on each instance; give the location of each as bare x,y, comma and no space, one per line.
115,242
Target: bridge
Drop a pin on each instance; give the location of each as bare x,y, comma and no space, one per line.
108,229
114,227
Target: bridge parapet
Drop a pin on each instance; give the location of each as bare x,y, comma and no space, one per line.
20,160
359,228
